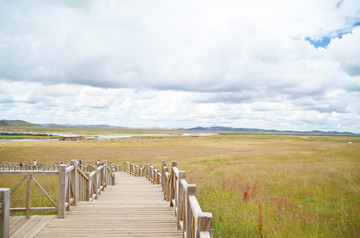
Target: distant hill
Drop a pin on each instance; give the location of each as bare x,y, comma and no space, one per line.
28,125
231,129
86,126
17,123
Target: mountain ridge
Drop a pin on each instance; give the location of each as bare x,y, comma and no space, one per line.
17,123
233,129
25,124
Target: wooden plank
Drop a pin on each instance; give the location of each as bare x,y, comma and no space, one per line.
81,230
40,226
14,220
17,225
26,226
133,208
123,234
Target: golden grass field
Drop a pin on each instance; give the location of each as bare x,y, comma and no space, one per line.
255,185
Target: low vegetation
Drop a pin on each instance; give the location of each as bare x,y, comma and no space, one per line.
255,185
18,135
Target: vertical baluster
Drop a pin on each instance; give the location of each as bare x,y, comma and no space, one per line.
74,181
62,191
28,195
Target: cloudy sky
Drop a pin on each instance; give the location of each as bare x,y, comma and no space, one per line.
288,65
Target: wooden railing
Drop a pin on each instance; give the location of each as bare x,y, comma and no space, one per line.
26,166
182,196
4,211
74,185
86,182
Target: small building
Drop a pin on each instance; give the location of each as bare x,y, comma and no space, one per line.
69,138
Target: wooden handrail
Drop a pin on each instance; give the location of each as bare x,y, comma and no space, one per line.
79,184
191,219
74,184
5,166
69,169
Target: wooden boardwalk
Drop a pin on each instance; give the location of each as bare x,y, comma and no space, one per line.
132,208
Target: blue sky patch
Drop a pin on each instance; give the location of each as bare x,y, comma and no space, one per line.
140,91
325,41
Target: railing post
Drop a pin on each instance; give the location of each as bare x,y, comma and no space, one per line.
28,195
191,191
96,182
87,186
155,176
104,174
179,196
166,183
147,170
75,181
163,165
5,212
62,191
172,182
112,177
204,223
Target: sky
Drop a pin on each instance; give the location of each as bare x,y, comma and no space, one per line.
285,65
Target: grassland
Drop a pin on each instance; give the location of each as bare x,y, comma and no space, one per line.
10,136
255,185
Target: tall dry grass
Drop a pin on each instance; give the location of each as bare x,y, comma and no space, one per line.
38,198
296,186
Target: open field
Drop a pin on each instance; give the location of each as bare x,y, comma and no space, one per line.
255,185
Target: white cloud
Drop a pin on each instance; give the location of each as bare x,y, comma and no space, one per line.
178,64
347,52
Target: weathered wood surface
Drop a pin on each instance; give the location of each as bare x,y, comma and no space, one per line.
22,227
132,208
